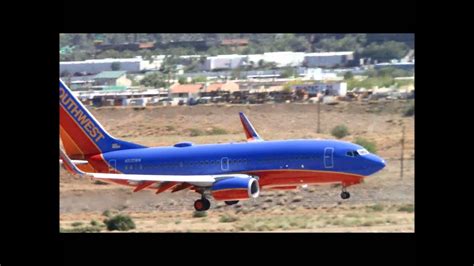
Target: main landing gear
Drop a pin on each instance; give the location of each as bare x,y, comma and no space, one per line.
345,194
202,204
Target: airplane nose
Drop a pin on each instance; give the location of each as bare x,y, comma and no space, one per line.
376,163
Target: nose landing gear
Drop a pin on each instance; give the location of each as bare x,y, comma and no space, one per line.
345,194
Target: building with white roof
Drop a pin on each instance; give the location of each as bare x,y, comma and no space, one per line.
283,59
225,61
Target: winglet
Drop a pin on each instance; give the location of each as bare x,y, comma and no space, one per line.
250,131
69,165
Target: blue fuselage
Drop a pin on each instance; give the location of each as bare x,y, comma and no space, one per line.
211,159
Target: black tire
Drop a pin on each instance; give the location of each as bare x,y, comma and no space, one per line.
345,195
207,204
231,202
199,205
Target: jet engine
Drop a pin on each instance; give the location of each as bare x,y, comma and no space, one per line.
235,188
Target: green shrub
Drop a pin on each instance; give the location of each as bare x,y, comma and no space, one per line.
410,110
407,208
228,219
86,229
95,223
170,128
106,213
368,223
76,224
217,131
119,222
198,214
194,132
367,144
340,131
376,208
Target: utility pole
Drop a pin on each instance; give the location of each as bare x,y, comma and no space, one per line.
319,112
402,152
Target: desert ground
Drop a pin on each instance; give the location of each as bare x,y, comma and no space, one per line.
383,203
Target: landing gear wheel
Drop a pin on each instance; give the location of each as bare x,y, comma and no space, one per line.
207,204
202,204
199,205
231,202
345,195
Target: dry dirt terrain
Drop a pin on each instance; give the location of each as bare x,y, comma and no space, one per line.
383,203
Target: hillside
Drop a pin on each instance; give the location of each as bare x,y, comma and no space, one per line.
87,46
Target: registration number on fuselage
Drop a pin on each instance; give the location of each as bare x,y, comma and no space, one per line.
134,160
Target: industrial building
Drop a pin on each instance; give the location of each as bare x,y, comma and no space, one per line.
112,78
409,66
225,61
330,59
331,89
281,59
185,91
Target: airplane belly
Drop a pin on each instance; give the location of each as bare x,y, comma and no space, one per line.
300,177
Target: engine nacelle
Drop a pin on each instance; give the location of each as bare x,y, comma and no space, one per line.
235,188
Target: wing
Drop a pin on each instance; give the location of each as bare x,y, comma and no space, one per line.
205,180
250,131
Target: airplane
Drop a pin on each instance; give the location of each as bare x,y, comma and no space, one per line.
228,172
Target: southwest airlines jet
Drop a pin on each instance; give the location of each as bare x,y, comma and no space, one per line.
226,172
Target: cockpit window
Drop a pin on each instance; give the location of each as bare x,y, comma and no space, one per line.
362,152
356,153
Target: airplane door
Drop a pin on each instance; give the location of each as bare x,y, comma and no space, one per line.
112,165
328,157
225,164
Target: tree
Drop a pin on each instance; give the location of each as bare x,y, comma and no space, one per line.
235,73
65,73
348,75
290,84
385,51
271,65
182,80
155,80
350,42
202,60
78,39
288,72
115,66
109,54
199,79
